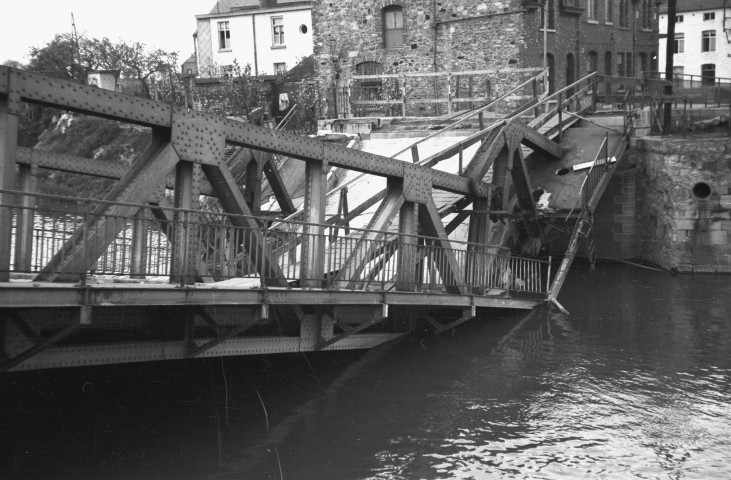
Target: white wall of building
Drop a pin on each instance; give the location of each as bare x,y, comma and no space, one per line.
251,40
692,58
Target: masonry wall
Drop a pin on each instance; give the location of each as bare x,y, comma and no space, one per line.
462,35
469,35
684,203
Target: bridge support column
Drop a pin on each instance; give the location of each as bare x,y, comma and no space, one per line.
138,265
24,234
407,256
478,259
184,264
312,266
8,145
252,184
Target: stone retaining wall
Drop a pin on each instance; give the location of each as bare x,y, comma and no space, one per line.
684,203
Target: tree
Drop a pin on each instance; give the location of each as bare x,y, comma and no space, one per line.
235,92
72,58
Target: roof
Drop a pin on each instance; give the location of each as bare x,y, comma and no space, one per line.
697,5
227,6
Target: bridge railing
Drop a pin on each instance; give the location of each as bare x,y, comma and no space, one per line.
598,166
161,244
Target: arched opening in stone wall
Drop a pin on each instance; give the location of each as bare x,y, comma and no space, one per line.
608,71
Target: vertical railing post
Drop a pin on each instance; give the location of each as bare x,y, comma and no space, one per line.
449,94
537,109
24,228
560,116
313,233
8,145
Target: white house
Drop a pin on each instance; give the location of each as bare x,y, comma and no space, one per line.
269,35
702,42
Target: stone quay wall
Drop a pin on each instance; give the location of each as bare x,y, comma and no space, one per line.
684,203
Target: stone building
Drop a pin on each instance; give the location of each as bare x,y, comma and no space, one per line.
617,37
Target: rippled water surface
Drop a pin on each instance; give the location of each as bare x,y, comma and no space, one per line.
636,383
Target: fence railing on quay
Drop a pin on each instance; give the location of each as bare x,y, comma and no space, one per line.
431,93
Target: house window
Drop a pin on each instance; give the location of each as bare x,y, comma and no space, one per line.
608,11
591,8
629,67
647,15
393,27
550,10
708,73
679,19
280,68
679,43
709,16
277,31
709,41
591,62
620,64
624,13
224,36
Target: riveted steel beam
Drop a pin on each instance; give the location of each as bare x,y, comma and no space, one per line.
431,225
85,166
485,156
312,264
52,92
304,148
537,141
368,244
408,260
277,185
197,136
8,144
80,252
232,201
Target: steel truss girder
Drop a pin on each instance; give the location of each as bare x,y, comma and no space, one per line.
378,317
85,166
39,347
277,185
85,355
232,201
431,225
363,251
80,252
37,89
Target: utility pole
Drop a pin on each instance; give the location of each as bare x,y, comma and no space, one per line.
669,51
75,37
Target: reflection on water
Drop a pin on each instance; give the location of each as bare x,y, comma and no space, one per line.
636,383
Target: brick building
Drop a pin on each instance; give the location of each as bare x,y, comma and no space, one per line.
617,37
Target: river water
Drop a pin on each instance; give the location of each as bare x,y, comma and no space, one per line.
635,383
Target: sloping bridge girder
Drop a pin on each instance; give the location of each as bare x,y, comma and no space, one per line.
363,252
80,252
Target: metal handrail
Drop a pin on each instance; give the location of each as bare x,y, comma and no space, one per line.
170,244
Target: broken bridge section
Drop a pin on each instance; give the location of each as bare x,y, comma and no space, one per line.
178,262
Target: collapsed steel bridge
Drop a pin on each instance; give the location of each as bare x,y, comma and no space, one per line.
151,272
